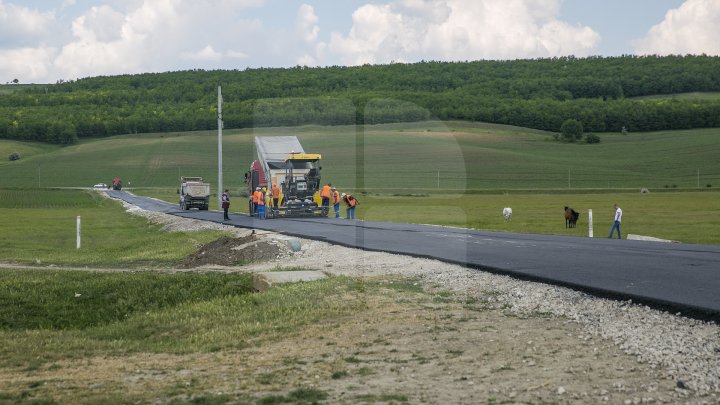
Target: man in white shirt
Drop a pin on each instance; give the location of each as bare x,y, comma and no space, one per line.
616,223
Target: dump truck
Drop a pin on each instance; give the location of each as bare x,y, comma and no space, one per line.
194,193
282,161
117,183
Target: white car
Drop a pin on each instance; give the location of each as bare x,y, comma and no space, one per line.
100,186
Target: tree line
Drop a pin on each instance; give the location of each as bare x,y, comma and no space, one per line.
539,93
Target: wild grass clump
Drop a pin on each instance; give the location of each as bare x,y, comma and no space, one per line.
120,313
47,299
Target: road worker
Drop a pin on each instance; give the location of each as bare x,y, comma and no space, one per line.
261,204
351,202
255,197
325,194
336,202
275,195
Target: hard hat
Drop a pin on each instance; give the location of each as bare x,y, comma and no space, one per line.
343,194
257,189
264,189
333,188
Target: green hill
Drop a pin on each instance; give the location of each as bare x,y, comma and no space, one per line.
425,157
540,94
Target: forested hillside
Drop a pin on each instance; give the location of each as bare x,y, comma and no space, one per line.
530,93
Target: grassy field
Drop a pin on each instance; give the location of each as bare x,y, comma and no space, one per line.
428,157
46,325
464,173
39,226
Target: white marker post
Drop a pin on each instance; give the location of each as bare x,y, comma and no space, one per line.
590,230
78,232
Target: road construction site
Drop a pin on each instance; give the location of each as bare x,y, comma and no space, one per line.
531,342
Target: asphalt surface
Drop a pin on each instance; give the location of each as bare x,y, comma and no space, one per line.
676,277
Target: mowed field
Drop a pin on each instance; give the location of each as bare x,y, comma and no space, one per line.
450,173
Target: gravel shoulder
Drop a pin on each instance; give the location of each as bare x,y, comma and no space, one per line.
471,337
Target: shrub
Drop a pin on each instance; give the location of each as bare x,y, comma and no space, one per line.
14,156
571,130
592,138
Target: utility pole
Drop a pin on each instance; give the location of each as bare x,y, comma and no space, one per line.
220,164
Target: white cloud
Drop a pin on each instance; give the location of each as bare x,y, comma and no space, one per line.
693,28
410,30
206,54
29,65
22,26
306,23
158,35
101,24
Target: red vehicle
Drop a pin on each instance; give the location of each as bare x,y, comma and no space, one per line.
117,183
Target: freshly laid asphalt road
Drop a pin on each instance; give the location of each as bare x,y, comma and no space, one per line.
677,277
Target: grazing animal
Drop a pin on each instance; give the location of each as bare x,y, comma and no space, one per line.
571,217
507,213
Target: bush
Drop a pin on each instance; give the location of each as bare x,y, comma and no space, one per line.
14,156
571,130
592,138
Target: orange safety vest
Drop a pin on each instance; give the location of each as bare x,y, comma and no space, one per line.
325,192
259,198
336,197
255,197
275,191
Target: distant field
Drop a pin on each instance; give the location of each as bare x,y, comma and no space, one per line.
683,96
427,157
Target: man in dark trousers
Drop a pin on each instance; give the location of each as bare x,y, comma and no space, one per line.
225,204
616,222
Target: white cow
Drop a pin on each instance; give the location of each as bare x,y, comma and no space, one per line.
507,213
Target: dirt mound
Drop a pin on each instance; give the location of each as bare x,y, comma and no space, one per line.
229,251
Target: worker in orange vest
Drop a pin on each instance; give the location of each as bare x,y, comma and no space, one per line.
275,195
325,194
336,202
255,195
260,203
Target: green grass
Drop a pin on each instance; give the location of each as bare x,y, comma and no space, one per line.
57,299
396,158
153,312
40,227
451,173
27,150
691,217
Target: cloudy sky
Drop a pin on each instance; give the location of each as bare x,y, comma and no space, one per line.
43,41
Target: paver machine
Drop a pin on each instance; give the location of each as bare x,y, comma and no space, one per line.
282,161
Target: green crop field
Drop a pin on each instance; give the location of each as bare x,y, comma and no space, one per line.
430,157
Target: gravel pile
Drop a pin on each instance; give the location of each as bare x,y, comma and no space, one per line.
687,350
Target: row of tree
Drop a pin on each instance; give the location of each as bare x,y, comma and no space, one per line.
540,94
